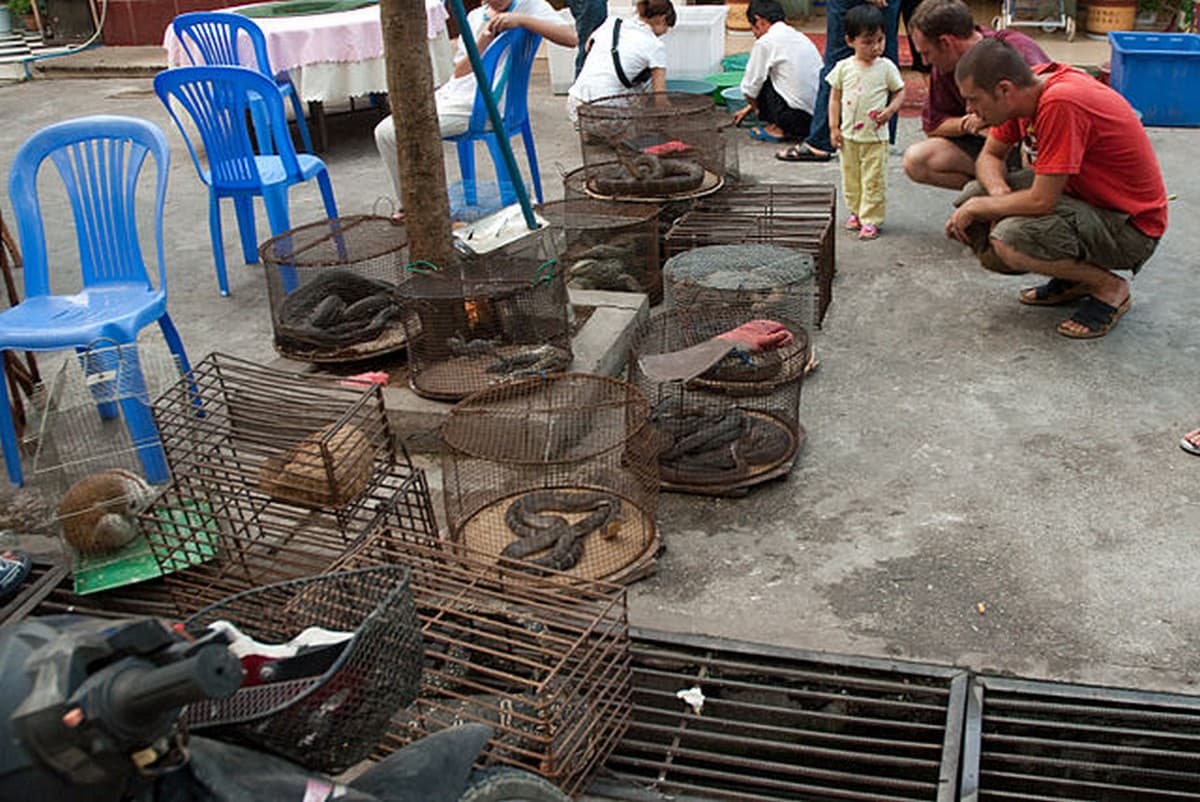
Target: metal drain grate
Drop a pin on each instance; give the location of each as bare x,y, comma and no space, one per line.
1044,741
785,724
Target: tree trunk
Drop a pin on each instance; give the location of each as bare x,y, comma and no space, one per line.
418,138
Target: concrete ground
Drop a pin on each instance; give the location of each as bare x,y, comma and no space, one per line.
975,489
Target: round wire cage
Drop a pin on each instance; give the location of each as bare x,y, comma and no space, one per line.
770,280
331,287
486,320
654,146
609,246
327,706
734,425
554,474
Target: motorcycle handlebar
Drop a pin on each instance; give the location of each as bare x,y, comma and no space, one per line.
140,697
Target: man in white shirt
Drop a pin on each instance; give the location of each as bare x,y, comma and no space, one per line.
782,75
456,97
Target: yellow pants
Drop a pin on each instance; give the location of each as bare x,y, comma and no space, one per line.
864,179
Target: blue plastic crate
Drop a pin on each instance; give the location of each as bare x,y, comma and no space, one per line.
1158,74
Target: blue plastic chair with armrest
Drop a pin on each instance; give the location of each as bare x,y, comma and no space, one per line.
99,160
511,90
217,100
215,36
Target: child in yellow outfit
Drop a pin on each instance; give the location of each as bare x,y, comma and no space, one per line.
858,114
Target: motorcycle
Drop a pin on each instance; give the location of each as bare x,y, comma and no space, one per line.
90,711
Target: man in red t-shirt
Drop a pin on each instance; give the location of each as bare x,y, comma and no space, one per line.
942,32
1094,202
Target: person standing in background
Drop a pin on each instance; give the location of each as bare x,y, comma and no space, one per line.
818,147
589,15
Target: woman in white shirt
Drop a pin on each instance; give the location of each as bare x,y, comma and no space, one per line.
625,56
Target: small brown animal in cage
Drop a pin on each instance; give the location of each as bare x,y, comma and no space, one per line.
99,512
303,475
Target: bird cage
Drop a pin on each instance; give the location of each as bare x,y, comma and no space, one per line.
773,282
487,318
609,246
93,414
736,423
655,146
331,287
544,663
274,474
556,471
793,216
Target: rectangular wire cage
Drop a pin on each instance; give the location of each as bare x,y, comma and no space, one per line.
543,661
79,413
793,216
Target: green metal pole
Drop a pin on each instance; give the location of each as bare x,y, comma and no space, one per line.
498,129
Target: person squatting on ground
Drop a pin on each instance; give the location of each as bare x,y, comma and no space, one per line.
858,111
456,97
942,31
625,56
780,84
1093,203
817,147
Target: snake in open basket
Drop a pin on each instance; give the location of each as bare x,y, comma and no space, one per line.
538,532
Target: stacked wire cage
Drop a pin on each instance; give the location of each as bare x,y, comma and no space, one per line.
737,423
796,216
542,659
658,146
488,318
557,472
609,245
275,476
327,706
331,287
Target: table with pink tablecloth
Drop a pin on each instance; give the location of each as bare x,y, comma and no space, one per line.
337,55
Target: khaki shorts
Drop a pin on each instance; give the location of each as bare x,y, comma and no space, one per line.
1076,230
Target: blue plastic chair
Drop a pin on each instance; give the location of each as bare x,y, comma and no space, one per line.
217,99
511,90
215,35
99,160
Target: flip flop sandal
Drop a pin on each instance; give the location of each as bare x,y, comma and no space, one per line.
14,567
1054,292
800,152
1188,446
763,135
1096,316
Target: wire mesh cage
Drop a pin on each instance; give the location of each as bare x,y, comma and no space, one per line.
655,146
93,414
331,287
488,318
559,472
772,281
737,423
355,658
544,661
294,438
609,246
793,216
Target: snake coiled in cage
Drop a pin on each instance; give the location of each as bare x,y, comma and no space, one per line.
338,307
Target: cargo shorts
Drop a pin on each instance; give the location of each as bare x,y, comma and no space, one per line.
1075,230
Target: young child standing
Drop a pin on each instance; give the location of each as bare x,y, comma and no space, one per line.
858,114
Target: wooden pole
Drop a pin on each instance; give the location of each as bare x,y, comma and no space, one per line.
418,138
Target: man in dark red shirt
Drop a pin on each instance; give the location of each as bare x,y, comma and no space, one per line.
942,31
1094,202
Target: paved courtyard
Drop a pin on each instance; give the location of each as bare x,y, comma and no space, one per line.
975,489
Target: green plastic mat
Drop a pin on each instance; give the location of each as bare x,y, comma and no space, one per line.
135,562
302,8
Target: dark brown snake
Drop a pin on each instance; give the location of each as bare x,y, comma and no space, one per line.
696,440
538,532
649,177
